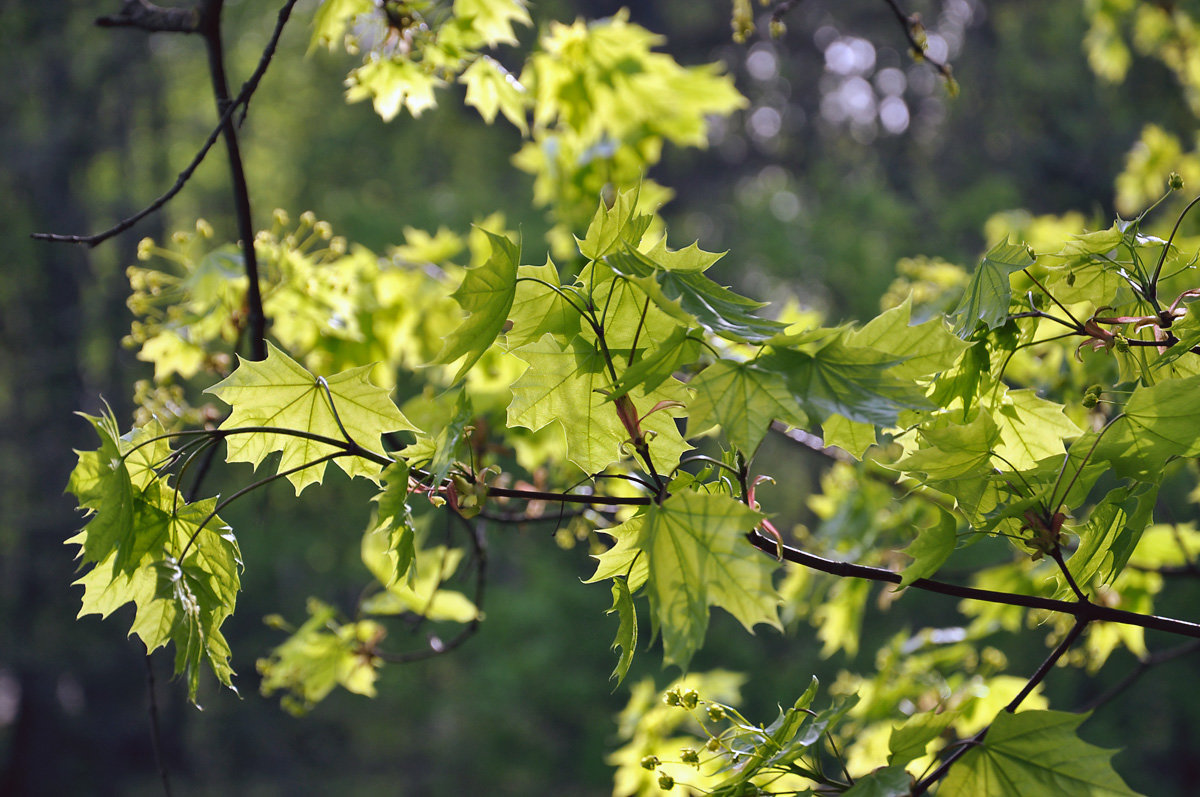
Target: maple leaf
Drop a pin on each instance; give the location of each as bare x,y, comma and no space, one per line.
279,392
744,400
698,557
487,293
567,385
1035,752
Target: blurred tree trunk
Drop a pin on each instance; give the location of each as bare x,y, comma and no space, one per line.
61,176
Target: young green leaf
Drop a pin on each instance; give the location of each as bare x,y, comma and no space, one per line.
1035,752
627,631
743,399
988,293
699,557
487,294
921,349
930,549
853,382
279,392
567,385
692,298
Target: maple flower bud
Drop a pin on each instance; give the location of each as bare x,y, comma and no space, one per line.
204,228
1090,400
672,698
308,218
1121,343
280,217
716,713
778,29
145,248
1175,181
665,781
690,698
713,745
650,762
690,755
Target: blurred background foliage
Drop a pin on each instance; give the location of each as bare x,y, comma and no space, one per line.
848,161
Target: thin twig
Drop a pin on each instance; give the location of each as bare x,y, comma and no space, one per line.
906,24
1090,612
1143,665
1039,675
210,28
155,730
152,18
248,89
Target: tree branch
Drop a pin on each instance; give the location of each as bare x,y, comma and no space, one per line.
1086,612
248,89
1038,676
153,18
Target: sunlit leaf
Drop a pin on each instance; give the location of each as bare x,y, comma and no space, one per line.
1035,752
279,392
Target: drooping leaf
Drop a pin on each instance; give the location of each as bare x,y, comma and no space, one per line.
743,399
627,631
392,84
279,392
699,557
988,293
487,294
394,522
179,600
1109,536
853,437
624,559
424,594
1035,752
930,549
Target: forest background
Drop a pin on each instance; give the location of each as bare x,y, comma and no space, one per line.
819,191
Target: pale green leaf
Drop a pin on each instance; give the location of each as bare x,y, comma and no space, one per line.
930,549
614,227
921,349
487,294
492,88
538,309
425,594
392,84
1031,429
853,437
853,382
567,386
988,293
744,400
692,298
699,557
1035,752
278,392
493,19
1159,423
333,18
955,450
627,631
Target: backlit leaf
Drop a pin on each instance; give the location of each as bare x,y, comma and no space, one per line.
279,392
487,294
988,293
1035,752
